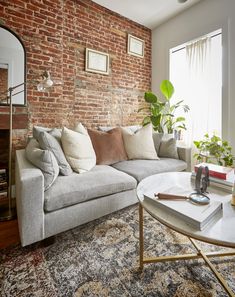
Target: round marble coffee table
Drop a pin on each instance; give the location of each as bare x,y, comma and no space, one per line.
220,232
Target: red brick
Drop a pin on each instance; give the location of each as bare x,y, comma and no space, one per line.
55,37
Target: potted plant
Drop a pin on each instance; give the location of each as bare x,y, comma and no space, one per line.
214,150
162,114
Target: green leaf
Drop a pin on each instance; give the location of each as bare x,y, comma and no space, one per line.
150,97
180,119
156,120
183,127
146,121
167,89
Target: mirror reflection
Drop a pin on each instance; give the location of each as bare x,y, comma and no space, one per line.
12,66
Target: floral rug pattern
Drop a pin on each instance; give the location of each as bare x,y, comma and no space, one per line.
100,259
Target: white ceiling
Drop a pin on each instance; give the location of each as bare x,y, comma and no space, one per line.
149,13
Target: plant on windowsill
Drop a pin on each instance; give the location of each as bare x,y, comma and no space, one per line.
214,150
162,114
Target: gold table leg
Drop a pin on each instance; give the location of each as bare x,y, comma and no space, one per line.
141,238
199,255
213,269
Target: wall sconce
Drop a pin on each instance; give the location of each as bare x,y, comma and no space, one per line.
46,82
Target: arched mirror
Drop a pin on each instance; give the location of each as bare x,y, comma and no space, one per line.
12,67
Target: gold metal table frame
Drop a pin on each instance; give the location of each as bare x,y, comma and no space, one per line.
198,255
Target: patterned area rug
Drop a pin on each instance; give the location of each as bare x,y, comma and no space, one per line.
101,259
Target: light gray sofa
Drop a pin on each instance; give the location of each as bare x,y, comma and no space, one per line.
79,198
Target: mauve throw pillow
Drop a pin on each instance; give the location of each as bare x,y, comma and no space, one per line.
108,146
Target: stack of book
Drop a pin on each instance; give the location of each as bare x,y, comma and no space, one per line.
220,177
197,216
3,184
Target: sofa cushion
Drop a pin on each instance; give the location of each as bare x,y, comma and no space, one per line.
50,143
78,149
102,180
139,145
108,146
140,169
168,149
157,138
44,160
57,133
38,129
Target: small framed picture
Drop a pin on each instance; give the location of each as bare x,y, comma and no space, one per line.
135,46
97,62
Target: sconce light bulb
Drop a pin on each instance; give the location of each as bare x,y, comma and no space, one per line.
40,87
49,82
45,83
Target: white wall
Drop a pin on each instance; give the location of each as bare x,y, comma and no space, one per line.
12,53
200,19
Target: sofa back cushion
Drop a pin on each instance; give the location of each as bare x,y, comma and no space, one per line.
78,148
44,160
139,145
108,146
168,149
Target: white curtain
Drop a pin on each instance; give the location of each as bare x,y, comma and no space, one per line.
204,89
196,73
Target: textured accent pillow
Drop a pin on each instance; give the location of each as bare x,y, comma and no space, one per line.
38,129
44,160
50,143
53,131
56,133
168,149
78,149
108,146
139,145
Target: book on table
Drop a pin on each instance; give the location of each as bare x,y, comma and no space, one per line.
220,172
225,185
197,216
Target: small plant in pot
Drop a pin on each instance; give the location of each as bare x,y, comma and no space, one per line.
162,114
214,150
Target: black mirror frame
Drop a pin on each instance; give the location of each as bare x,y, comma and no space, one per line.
25,68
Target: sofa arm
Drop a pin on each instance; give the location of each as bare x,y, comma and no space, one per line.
185,155
29,200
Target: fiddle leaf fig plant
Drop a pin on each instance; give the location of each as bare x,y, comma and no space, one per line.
167,89
162,114
214,150
155,109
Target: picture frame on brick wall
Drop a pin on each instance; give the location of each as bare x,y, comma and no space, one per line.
135,46
97,62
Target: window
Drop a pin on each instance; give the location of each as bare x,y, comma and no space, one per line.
196,73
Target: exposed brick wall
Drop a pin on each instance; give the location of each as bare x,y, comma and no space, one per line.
55,34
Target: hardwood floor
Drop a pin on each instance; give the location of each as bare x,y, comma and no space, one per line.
9,233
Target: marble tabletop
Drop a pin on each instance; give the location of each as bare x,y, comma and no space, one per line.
220,231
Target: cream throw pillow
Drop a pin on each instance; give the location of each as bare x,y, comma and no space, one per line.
78,149
139,145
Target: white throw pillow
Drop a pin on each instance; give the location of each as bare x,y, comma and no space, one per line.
78,149
139,145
